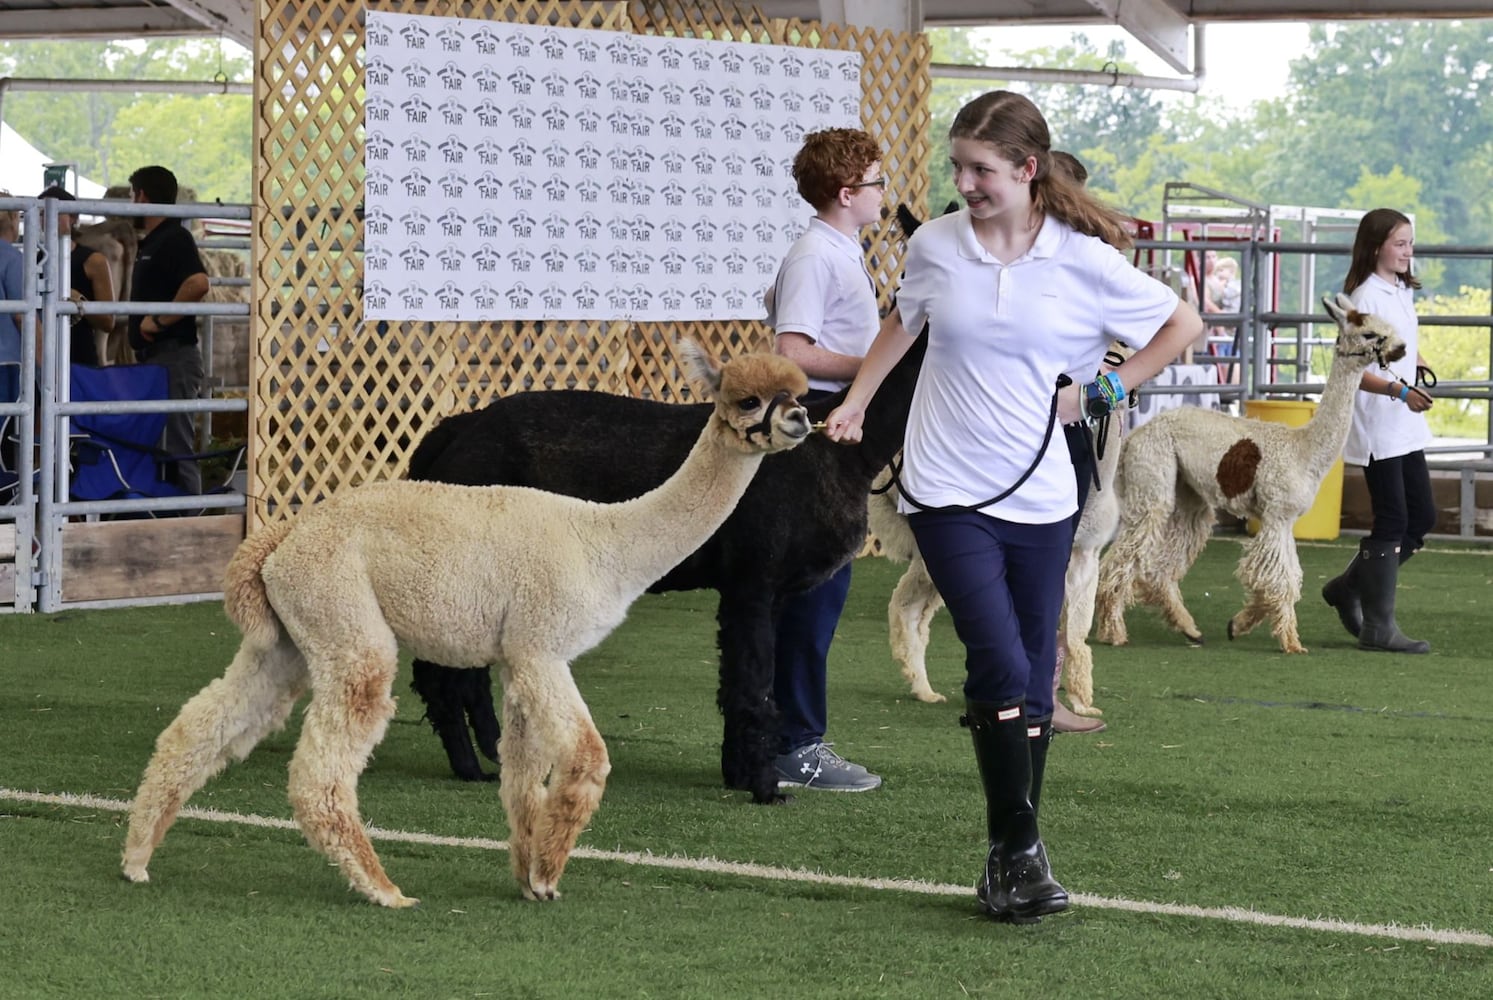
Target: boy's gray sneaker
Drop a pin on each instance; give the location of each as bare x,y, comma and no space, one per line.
817,766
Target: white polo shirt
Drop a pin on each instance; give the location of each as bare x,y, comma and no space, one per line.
999,336
824,292
1384,427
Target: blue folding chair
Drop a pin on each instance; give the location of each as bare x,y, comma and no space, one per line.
117,456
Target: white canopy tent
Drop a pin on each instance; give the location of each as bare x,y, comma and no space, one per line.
22,168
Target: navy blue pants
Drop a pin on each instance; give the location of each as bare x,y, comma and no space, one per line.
1003,584
1400,495
800,676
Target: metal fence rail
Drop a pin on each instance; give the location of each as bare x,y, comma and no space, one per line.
38,508
1266,348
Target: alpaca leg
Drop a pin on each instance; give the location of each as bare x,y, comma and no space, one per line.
523,789
1078,615
562,754
1270,572
1123,574
747,642
453,696
1113,597
350,709
1145,484
222,723
914,602
1192,525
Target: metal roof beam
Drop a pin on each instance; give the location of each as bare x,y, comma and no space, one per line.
1159,27
232,18
107,22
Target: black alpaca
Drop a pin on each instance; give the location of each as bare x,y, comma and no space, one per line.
803,517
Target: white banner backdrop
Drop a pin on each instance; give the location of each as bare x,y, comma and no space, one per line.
521,172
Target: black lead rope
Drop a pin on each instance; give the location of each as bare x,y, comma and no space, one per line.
896,469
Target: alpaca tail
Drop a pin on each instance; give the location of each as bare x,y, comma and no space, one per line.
244,598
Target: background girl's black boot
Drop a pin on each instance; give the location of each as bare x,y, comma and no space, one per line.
1017,885
1377,575
1341,592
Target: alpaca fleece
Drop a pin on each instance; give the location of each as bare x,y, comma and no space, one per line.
1179,468
800,520
472,576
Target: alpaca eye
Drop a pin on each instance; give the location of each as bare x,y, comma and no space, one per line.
750,403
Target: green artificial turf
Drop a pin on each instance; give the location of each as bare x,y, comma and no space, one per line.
1340,785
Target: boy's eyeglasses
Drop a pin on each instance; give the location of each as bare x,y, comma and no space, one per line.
879,182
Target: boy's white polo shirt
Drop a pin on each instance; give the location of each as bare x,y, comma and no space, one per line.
824,292
1384,427
999,337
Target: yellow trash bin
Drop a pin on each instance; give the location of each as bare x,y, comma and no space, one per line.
1324,518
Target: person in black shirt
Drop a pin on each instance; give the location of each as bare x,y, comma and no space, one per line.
168,268
90,281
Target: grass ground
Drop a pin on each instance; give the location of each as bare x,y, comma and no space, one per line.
1340,785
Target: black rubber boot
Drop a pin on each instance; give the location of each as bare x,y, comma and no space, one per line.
1341,592
1038,739
1377,576
1017,885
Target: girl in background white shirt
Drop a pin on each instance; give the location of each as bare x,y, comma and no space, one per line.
1388,438
1023,284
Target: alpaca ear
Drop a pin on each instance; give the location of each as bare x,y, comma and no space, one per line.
906,221
698,366
1338,308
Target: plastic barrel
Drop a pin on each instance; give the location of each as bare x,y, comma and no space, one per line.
1324,518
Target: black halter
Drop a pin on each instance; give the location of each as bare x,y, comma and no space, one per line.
764,427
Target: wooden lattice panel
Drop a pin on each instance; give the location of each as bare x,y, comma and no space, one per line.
334,403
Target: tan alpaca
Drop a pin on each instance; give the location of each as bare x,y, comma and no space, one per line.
464,576
1178,468
915,600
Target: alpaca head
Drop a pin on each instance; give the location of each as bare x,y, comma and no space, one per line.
1362,336
756,397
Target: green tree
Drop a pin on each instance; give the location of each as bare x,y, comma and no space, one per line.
1395,190
960,47
1103,126
1376,96
1457,353
81,127
1088,119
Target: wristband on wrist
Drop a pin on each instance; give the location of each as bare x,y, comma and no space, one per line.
1095,405
1112,388
1404,392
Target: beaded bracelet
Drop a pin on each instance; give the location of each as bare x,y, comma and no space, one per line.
1111,388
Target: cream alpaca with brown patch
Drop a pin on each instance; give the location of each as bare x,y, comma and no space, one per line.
1176,470
915,600
464,576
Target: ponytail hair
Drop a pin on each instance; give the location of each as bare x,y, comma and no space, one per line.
1013,125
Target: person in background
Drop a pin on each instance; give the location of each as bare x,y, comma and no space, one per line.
1388,438
168,268
1226,280
1023,284
12,286
823,311
90,282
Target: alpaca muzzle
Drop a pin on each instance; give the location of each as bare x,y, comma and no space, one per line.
764,427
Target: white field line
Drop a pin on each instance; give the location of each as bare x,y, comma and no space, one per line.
1232,914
